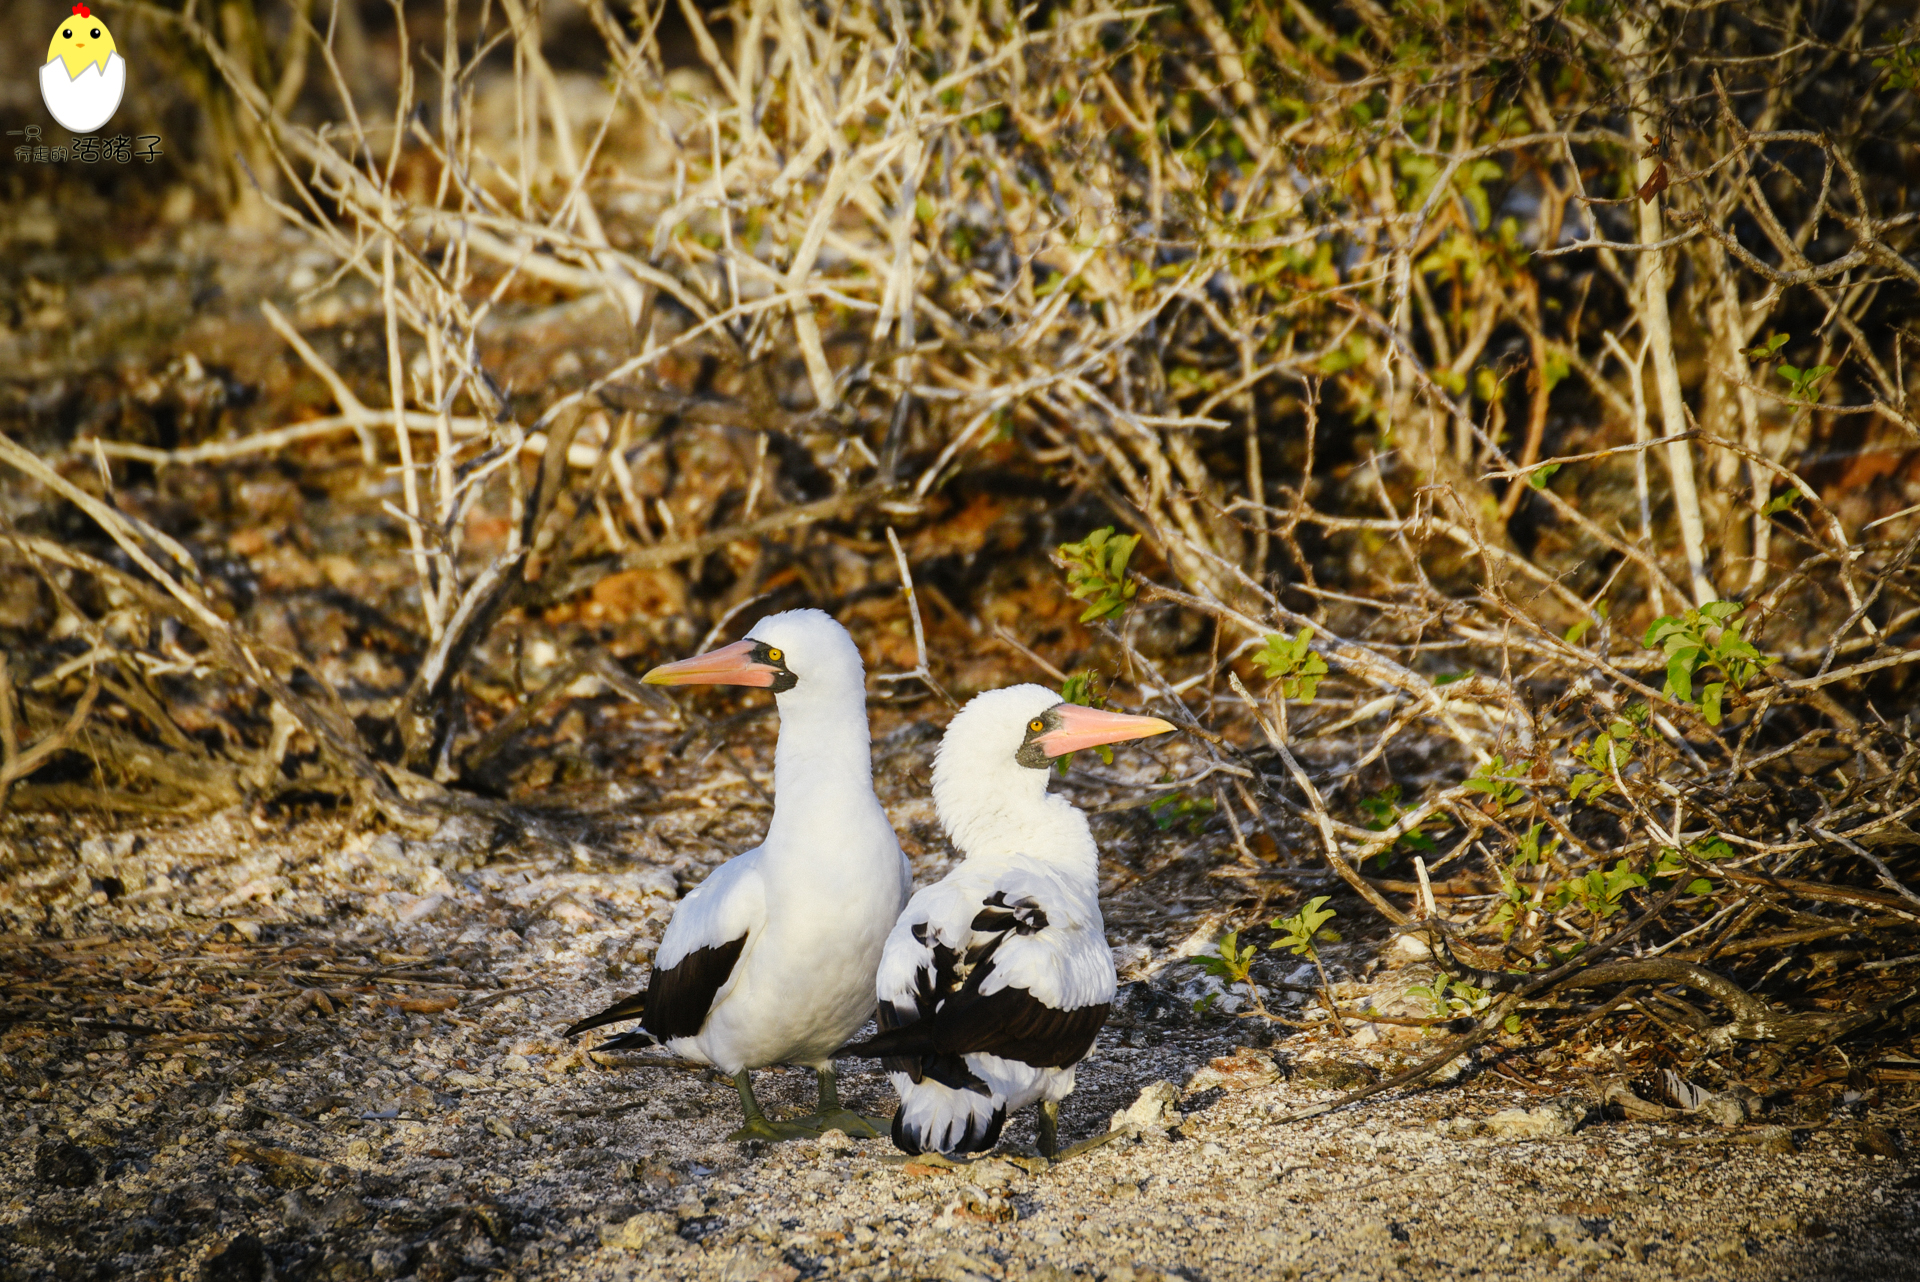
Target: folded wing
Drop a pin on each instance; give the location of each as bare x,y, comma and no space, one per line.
696,960
1003,969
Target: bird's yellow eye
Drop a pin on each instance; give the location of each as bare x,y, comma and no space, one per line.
773,656
1036,725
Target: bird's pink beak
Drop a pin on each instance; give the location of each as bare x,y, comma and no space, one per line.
730,665
1082,727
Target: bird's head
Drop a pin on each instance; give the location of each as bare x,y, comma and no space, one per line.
999,746
81,39
800,652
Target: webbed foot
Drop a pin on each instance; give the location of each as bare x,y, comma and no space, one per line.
845,1119
759,1128
1086,1146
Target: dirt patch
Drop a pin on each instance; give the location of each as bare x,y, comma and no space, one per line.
239,1050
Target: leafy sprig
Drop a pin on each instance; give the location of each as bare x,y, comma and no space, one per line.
1706,637
1502,790
1290,661
1096,570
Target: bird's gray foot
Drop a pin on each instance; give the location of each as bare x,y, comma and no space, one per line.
1050,1129
845,1119
1087,1146
757,1126
833,1116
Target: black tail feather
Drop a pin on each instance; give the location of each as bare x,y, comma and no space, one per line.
910,1040
630,1008
978,1139
637,1040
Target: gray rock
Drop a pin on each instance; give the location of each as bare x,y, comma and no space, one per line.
390,1263
756,1264
1561,1117
638,1232
1153,1114
958,1266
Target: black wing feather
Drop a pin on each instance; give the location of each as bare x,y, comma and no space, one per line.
1012,1024
955,1020
677,999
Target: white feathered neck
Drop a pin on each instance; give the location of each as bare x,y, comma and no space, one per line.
823,761
992,806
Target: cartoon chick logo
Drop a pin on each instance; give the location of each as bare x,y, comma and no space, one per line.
85,75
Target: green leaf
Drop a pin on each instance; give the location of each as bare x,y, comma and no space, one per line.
1083,688
1538,477
1710,701
1299,931
1290,661
1490,778
1781,503
1556,369
1511,1024
1178,808
1699,886
1577,631
1096,569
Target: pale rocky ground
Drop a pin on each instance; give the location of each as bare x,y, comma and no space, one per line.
416,1115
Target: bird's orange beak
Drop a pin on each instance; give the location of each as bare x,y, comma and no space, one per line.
1091,727
730,665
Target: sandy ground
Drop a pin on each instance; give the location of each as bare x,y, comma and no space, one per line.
257,1047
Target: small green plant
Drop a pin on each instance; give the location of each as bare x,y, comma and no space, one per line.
1781,503
1097,572
1539,477
1607,754
1179,808
1600,890
1902,67
1671,864
1709,635
1804,382
1502,790
1580,629
1516,899
1383,810
1290,661
1450,998
1083,688
1300,932
1534,849
1231,961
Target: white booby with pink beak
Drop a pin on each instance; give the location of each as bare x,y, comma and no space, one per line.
771,959
997,979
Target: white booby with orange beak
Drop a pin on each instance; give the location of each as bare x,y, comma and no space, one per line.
997,978
771,959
